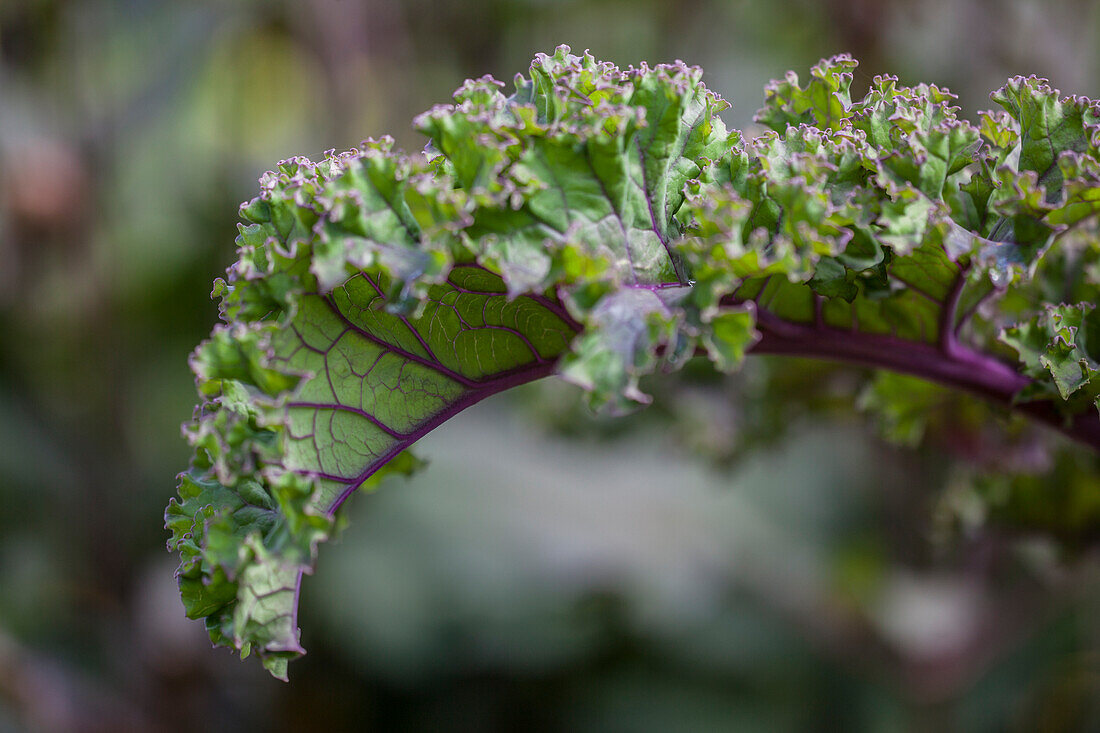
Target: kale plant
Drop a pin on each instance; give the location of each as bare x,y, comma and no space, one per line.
602,224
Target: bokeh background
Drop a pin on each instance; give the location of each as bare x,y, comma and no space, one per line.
747,554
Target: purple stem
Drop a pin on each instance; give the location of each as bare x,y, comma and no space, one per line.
959,366
951,364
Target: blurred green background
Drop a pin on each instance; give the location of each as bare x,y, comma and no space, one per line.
549,571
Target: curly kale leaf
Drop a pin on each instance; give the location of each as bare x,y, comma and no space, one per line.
602,224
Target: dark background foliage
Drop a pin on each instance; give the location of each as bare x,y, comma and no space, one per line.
548,571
